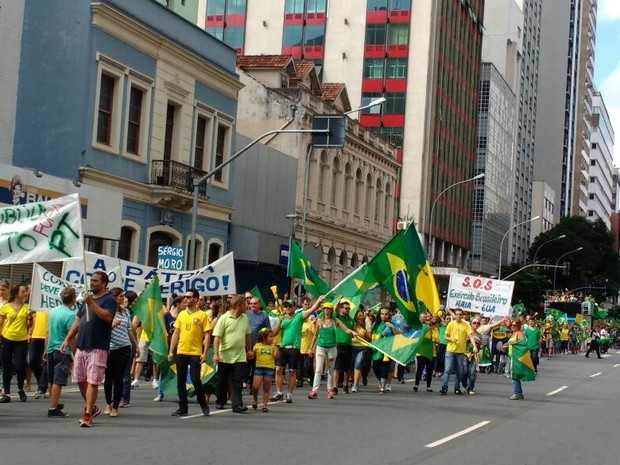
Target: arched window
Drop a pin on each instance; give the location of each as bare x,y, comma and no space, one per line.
198,252
359,188
215,250
129,242
355,261
312,174
369,196
336,176
348,180
388,204
343,258
378,200
323,167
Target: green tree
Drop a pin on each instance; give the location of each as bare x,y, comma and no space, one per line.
597,265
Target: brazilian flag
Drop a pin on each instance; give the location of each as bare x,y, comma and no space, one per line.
522,366
168,371
352,287
402,269
599,313
150,309
402,348
299,267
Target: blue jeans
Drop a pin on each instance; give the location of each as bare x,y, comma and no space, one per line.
516,387
535,358
453,361
471,373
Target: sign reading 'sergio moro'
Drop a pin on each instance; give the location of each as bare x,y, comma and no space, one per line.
479,294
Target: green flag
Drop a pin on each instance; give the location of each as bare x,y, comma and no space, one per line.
256,293
168,371
598,313
150,309
518,308
522,366
402,269
559,317
402,348
352,287
299,267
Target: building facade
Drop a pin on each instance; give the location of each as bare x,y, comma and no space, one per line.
127,97
544,206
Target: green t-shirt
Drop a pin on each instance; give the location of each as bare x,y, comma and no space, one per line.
291,331
59,323
232,332
327,336
341,336
441,329
532,336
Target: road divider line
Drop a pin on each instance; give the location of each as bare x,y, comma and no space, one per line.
596,374
617,365
557,390
618,353
459,434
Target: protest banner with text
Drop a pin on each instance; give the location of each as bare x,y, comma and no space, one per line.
480,295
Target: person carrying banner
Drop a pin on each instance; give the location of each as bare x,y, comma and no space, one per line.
94,331
60,321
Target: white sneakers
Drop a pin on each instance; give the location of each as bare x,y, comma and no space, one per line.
135,384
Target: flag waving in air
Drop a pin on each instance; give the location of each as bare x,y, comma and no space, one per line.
150,309
299,267
352,287
402,348
402,269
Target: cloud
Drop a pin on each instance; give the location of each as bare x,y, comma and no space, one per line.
608,10
610,90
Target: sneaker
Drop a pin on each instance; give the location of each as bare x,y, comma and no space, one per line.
458,392
107,409
22,396
242,409
289,398
154,384
86,421
124,404
388,388
114,413
57,413
443,391
96,412
330,394
354,388
313,395
158,399
135,384
277,398
520,396
179,413
335,391
5,399
38,395
205,410
514,397
346,389
471,392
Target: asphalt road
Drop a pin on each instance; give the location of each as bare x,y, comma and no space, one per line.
569,416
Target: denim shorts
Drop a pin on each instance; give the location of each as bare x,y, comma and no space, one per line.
58,364
261,371
358,357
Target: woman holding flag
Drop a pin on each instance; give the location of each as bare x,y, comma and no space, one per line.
382,365
363,333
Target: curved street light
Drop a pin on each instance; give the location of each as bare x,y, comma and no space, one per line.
501,244
558,261
431,239
544,243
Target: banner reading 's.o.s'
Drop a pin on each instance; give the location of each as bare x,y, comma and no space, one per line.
480,295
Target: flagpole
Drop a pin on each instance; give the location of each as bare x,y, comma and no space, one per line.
85,287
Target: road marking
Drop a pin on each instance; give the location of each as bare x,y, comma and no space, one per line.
596,374
605,355
456,435
220,411
618,353
617,365
557,390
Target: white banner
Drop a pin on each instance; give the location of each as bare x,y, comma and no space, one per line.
218,278
45,291
41,231
480,295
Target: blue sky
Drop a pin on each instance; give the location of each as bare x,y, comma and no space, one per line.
607,62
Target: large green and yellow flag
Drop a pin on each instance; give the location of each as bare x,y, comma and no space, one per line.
402,348
402,269
522,366
352,287
559,317
256,293
150,309
299,267
168,371
598,313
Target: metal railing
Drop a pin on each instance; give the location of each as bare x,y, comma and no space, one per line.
170,173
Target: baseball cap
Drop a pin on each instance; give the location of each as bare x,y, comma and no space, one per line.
328,305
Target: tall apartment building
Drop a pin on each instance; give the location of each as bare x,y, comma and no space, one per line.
600,185
422,56
562,156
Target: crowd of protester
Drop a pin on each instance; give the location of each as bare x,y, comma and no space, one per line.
266,353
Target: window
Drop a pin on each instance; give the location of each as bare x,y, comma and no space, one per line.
294,6
336,176
128,245
216,7
314,34
359,188
235,7
94,244
202,140
368,97
222,152
592,162
373,68
323,167
374,5
396,68
378,201
316,6
217,32
394,102
375,34
137,116
398,34
214,250
591,196
400,4
369,196
293,35
388,205
134,119
169,133
348,179
233,36
106,107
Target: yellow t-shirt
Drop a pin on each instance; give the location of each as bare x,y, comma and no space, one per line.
192,327
460,331
564,334
16,323
39,330
307,333
264,355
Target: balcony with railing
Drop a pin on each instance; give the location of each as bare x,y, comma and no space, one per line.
177,182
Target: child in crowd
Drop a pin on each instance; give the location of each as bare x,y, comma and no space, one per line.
265,352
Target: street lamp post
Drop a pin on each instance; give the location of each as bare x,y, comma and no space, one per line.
501,245
530,266
558,261
545,243
431,239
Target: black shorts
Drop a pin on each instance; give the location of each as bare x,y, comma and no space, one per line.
58,364
288,357
344,360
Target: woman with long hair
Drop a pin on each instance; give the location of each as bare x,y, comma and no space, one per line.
362,331
517,335
15,320
382,365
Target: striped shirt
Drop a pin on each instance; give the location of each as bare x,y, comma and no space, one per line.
120,333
